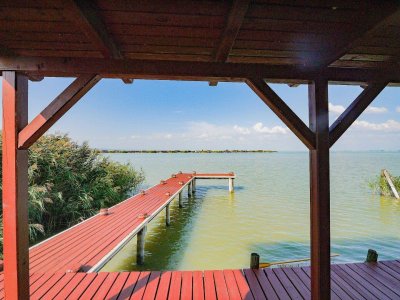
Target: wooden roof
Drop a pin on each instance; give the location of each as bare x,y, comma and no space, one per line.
305,33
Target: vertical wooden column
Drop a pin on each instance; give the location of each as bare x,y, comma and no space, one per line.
15,187
190,189
319,191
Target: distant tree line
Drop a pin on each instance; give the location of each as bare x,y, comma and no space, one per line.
186,151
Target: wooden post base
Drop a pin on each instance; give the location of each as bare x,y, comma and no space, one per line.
140,246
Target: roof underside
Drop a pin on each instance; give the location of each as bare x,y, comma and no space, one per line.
336,33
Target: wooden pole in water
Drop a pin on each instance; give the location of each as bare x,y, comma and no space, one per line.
180,200
231,186
140,246
254,261
167,215
190,189
386,174
372,256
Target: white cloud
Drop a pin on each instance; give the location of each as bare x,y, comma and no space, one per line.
376,110
388,126
398,109
241,130
258,127
336,109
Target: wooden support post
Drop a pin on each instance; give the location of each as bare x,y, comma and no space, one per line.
386,175
319,191
193,186
140,246
254,261
15,187
167,215
180,200
231,185
190,189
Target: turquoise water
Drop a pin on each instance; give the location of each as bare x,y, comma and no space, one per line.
268,213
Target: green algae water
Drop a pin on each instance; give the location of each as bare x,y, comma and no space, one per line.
267,214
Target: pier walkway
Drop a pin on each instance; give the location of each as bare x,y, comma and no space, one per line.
349,281
90,244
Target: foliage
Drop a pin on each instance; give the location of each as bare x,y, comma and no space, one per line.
69,183
381,186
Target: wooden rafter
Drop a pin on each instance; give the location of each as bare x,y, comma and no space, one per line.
56,109
280,108
355,109
184,70
362,32
233,24
228,36
84,14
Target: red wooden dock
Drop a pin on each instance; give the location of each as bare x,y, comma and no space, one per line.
349,281
90,244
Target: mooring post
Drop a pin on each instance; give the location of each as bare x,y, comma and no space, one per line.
372,256
180,200
140,246
167,215
231,186
254,261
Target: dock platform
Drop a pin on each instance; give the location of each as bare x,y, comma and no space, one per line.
349,281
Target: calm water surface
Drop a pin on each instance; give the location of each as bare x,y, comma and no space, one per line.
268,213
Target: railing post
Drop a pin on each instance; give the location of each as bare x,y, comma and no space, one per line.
319,191
15,187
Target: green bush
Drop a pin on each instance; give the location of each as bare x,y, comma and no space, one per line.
69,183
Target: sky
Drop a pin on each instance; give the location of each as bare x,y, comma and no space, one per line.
151,114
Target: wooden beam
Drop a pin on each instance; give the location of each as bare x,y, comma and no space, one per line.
55,110
15,188
319,191
355,109
84,14
280,108
233,24
189,70
391,13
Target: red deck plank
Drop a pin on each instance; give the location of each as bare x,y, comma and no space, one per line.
106,286
187,285
46,286
163,286
244,288
220,285
140,286
152,284
51,293
94,286
198,285
231,284
129,285
175,286
116,288
209,286
70,286
82,286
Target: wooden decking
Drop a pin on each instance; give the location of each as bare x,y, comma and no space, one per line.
88,245
349,281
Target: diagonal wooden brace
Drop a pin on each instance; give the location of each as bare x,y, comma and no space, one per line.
283,111
56,109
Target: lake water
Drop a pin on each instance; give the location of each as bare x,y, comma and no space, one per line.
267,214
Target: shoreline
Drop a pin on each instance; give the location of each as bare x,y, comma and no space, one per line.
186,151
